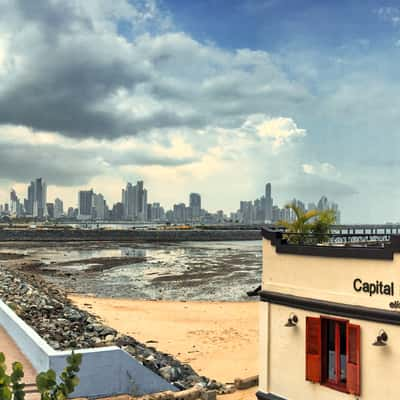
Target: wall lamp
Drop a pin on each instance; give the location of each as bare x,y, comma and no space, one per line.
381,339
292,321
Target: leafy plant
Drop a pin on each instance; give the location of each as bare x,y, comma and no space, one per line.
10,385
309,227
12,388
47,382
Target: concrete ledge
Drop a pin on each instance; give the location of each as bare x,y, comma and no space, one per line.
246,383
105,371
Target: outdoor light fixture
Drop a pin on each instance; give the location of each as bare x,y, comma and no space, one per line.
381,339
292,321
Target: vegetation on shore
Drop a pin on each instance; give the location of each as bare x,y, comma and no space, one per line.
12,387
309,227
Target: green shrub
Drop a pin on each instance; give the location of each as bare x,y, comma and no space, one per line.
12,388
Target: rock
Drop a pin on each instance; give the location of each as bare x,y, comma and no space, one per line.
63,326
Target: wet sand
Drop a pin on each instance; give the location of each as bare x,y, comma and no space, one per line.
219,339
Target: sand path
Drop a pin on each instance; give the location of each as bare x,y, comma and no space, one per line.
219,339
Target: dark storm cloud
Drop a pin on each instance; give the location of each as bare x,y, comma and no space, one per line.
20,163
67,68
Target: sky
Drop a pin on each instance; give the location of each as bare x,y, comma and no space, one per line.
216,97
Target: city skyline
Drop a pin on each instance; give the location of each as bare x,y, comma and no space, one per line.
134,206
96,94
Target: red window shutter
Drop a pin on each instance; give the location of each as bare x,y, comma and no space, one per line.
313,349
353,359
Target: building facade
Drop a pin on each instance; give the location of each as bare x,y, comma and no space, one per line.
330,321
85,204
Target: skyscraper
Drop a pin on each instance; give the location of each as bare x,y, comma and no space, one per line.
134,199
141,202
195,204
58,208
323,204
268,203
30,199
85,204
15,208
99,205
39,198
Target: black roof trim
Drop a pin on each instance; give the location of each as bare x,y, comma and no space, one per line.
332,308
375,253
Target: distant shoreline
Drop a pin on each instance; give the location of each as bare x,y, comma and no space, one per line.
149,235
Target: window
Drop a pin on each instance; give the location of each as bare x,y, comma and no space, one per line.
333,353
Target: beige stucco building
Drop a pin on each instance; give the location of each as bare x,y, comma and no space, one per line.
330,321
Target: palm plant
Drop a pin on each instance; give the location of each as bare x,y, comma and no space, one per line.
313,225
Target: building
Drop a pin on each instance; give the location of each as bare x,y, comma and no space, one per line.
85,204
39,209
58,208
330,320
141,202
155,212
30,200
195,205
50,210
134,199
100,209
117,212
268,203
15,206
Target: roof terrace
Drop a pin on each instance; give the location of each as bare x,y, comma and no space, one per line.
356,245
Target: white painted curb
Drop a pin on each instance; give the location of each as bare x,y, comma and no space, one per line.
105,371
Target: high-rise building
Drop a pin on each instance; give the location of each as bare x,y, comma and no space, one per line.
50,210
72,212
117,212
39,198
134,199
195,204
246,212
85,204
179,212
155,212
323,204
99,207
141,202
129,199
15,208
28,203
268,203
58,208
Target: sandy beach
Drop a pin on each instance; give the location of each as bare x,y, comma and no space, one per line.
219,339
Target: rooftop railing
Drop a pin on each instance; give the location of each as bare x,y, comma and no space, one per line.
336,239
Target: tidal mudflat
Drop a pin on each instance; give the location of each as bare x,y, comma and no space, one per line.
175,271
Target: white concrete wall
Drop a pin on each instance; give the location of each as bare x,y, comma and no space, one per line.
328,278
285,366
30,343
105,371
282,370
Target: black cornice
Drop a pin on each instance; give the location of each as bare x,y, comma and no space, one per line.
329,307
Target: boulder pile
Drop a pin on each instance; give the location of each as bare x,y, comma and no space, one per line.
63,326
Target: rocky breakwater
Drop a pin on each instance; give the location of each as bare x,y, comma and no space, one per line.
52,315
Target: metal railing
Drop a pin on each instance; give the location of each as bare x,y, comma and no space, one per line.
336,239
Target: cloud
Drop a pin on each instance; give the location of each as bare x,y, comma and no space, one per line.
69,71
281,130
321,169
390,14
66,162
